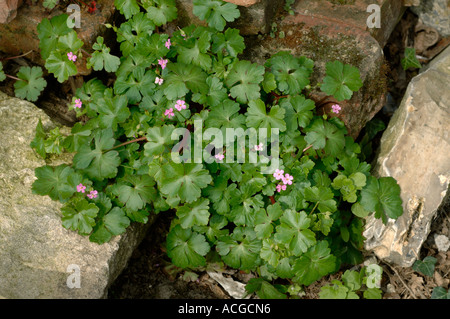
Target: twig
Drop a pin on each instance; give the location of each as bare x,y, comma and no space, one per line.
143,138
399,277
15,57
13,77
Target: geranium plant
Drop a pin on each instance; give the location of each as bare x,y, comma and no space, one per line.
280,190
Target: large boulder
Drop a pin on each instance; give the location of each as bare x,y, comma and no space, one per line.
325,32
38,257
415,150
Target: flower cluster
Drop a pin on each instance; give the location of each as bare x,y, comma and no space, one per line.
71,56
336,108
219,157
82,189
163,63
159,80
179,105
78,103
285,178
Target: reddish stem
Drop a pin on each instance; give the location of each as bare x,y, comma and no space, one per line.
272,199
143,138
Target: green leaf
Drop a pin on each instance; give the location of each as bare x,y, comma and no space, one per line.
112,224
334,291
49,32
54,182
215,12
112,111
60,66
32,83
2,73
102,59
382,196
425,266
158,140
186,248
241,249
257,116
96,162
79,216
184,180
372,293
231,41
324,135
243,80
440,293
314,264
298,111
263,289
193,214
80,136
132,31
341,80
216,96
184,78
50,4
38,142
291,73
264,220
161,11
221,194
135,191
127,7
324,223
323,196
410,59
69,42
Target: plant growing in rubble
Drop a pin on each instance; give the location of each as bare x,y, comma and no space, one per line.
295,225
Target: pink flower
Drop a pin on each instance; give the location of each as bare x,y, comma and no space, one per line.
163,63
168,44
169,113
287,179
259,147
71,56
336,108
180,105
78,103
278,174
280,188
92,194
219,157
159,80
81,188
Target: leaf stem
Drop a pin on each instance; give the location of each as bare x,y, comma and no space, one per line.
315,206
13,77
142,138
15,57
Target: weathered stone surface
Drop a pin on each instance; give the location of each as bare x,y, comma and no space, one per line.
415,150
244,3
20,35
8,10
255,17
326,32
435,14
35,250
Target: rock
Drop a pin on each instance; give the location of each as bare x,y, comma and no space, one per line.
435,14
38,255
442,242
244,3
325,32
256,15
415,150
20,35
8,10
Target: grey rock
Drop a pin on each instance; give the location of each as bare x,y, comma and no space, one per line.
415,150
435,14
36,253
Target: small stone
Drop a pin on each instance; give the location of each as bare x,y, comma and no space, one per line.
442,242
